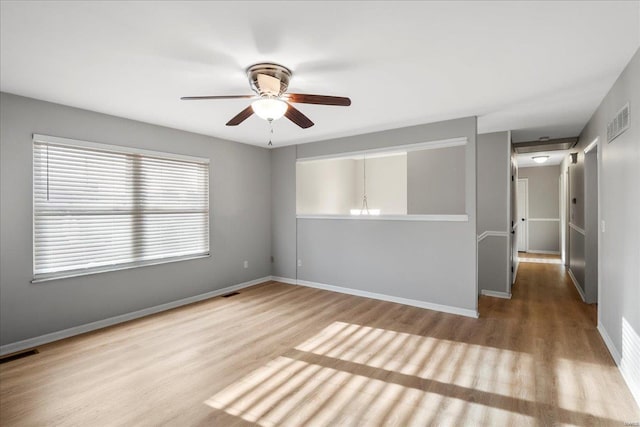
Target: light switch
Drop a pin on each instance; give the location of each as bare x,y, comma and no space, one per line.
602,226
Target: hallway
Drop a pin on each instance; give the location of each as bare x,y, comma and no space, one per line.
572,369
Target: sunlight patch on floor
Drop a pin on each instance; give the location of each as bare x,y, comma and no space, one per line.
350,373
574,377
416,355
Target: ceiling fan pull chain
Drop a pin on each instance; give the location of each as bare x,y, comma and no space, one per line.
271,132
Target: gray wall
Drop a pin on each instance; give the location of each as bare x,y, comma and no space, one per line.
620,209
427,170
240,222
283,211
494,163
427,261
494,156
544,207
493,264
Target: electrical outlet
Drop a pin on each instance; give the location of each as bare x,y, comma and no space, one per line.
246,264
299,263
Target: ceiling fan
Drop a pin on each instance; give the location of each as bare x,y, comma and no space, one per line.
271,101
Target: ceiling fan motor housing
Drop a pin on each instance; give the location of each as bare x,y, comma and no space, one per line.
283,74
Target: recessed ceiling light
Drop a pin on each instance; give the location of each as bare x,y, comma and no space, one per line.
540,159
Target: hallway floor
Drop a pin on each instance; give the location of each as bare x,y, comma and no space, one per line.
573,369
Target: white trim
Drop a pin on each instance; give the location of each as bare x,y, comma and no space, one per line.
389,298
526,215
596,143
601,239
589,147
544,219
575,283
47,277
530,251
447,218
99,324
47,139
486,234
578,229
495,294
563,216
509,211
609,343
515,273
620,363
286,280
443,143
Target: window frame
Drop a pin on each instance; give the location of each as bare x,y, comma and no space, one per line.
48,139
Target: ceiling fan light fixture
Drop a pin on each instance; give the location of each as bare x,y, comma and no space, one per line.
269,108
540,159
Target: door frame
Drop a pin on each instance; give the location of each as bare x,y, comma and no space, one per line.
598,146
564,191
567,216
526,213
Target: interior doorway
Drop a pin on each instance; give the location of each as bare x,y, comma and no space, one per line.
523,214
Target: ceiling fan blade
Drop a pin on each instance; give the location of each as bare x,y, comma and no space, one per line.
302,98
297,117
197,98
269,84
241,116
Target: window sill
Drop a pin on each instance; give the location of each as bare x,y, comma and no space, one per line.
47,277
440,218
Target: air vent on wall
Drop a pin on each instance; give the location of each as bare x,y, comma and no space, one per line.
618,124
231,294
19,355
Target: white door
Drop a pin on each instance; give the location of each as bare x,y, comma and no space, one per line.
522,215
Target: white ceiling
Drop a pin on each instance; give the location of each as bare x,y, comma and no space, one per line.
537,68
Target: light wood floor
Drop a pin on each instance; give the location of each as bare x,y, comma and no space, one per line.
284,355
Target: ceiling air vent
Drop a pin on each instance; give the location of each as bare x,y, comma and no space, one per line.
619,124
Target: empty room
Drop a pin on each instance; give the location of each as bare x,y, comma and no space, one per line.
311,213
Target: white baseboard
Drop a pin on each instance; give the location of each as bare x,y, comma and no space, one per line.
530,251
575,283
623,367
495,294
609,343
284,280
87,327
399,300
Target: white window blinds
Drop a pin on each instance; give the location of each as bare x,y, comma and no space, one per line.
99,207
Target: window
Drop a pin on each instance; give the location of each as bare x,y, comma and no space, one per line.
99,207
422,181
